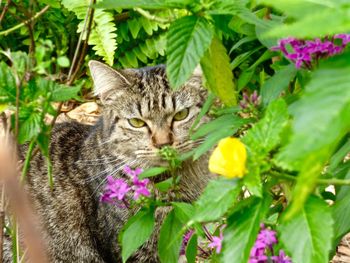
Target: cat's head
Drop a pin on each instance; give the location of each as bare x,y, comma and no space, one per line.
143,114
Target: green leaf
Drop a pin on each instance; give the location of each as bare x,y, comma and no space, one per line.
218,75
299,8
63,93
102,36
136,232
191,249
3,107
147,4
30,126
213,139
227,120
152,172
326,100
329,22
204,110
339,156
307,237
265,135
217,198
273,87
170,239
187,40
165,185
183,211
63,62
242,229
341,212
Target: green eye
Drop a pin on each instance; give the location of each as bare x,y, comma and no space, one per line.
137,123
181,115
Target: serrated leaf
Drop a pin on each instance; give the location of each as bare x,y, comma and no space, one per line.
242,229
265,135
218,75
217,198
273,87
64,93
307,237
187,40
134,27
102,36
30,127
136,232
170,239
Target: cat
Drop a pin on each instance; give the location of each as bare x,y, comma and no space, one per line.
141,114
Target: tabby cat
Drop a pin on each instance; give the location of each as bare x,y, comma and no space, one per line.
141,114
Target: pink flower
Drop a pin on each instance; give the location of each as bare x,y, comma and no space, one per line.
116,189
131,172
140,187
216,243
281,258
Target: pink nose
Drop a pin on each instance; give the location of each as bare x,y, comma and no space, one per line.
162,138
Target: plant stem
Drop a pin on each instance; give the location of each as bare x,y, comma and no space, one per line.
331,181
149,16
27,160
12,29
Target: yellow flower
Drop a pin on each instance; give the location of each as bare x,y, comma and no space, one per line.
229,158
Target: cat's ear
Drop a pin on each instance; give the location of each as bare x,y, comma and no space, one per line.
108,82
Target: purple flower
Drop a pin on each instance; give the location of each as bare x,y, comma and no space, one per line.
116,189
250,101
140,187
304,52
185,240
281,258
131,172
216,243
264,246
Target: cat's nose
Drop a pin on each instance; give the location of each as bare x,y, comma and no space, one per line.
161,139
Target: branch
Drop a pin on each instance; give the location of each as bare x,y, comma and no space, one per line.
10,30
330,181
149,16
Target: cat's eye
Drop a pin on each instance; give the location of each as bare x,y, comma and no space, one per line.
181,115
137,123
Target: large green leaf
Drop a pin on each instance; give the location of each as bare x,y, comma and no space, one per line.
329,22
188,38
30,125
242,229
136,232
217,198
273,87
170,239
307,237
321,119
218,75
261,139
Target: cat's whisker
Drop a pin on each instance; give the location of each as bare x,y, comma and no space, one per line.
108,170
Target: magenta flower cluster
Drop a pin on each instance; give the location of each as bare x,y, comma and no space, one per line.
263,252
116,189
304,52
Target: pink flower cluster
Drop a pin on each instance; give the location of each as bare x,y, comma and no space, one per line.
116,189
303,52
250,101
264,246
